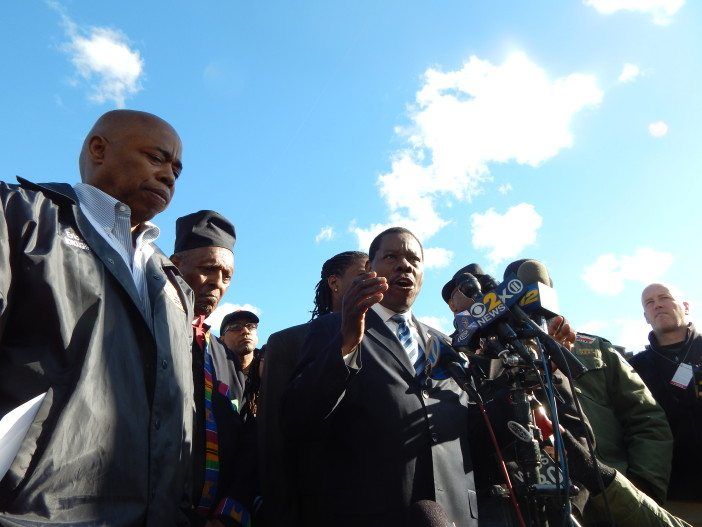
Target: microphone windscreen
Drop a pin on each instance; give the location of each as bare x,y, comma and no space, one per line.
512,268
473,269
532,272
468,284
427,513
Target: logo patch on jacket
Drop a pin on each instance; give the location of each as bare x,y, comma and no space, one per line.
71,238
587,351
587,339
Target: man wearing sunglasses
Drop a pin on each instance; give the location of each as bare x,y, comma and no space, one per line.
239,332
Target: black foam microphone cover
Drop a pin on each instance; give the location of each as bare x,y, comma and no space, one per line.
468,284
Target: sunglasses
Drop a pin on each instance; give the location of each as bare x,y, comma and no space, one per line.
251,326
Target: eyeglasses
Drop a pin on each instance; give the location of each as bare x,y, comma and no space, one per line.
251,326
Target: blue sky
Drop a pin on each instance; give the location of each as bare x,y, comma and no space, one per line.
566,131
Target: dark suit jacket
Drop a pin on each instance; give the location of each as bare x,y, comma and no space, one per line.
277,458
277,463
389,438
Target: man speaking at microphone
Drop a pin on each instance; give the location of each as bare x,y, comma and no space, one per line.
391,436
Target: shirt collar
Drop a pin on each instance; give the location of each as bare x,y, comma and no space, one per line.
148,232
386,314
105,209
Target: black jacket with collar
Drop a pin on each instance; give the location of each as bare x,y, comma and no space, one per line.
110,444
683,407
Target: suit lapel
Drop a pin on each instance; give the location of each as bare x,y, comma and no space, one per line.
378,330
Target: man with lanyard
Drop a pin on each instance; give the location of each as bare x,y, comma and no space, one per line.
203,254
671,368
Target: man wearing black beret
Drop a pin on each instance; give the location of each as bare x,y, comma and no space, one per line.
204,255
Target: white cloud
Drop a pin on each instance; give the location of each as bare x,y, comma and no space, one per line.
633,333
593,327
608,274
464,120
504,188
630,72
437,257
443,324
662,11
215,319
325,234
658,129
434,257
104,59
505,235
365,236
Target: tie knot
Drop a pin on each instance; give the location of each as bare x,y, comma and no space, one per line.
400,318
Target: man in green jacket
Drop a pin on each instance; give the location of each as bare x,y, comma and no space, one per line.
631,431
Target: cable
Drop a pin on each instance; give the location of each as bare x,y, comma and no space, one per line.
501,463
558,439
588,441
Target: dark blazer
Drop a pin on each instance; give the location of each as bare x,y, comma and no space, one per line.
389,438
111,441
278,460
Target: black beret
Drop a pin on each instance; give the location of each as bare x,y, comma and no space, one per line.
236,315
205,228
449,286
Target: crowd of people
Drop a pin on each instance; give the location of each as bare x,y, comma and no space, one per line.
147,418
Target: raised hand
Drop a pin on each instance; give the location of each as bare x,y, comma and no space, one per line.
366,290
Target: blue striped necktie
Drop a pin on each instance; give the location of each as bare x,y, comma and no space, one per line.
413,349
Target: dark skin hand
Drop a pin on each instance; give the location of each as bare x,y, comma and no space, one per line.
367,289
559,329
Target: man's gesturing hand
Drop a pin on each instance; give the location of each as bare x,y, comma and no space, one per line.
367,289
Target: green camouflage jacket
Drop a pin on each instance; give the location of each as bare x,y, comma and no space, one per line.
631,430
632,508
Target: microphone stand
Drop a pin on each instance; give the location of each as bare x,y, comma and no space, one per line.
544,502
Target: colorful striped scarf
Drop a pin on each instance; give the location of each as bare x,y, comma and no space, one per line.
209,490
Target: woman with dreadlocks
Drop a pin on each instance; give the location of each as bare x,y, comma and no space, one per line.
290,473
337,274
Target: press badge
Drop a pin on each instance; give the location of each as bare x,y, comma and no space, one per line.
683,376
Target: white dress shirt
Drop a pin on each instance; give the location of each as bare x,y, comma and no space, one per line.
386,315
112,220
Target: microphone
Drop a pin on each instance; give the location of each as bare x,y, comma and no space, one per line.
468,284
494,304
444,362
540,304
539,298
427,513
